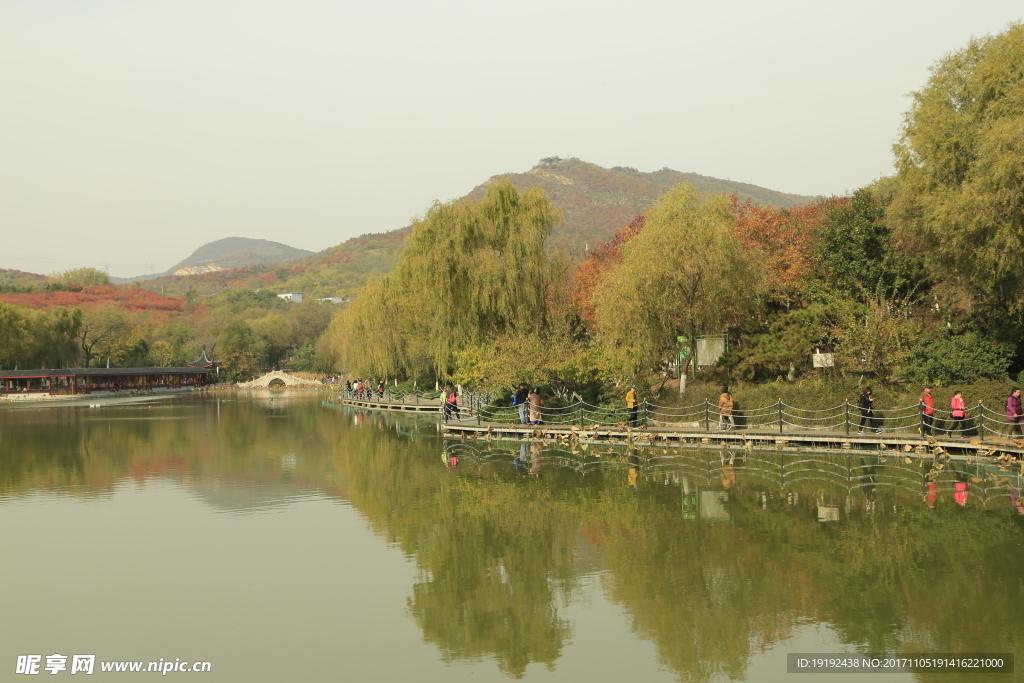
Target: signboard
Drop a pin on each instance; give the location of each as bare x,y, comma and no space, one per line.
823,360
710,349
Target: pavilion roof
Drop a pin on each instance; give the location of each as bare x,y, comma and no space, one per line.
203,361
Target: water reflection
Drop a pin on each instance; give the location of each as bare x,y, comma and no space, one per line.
714,555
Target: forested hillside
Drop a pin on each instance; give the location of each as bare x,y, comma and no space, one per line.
596,201
337,272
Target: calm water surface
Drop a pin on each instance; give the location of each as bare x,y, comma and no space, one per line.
281,539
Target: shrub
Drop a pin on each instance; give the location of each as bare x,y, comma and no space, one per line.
948,358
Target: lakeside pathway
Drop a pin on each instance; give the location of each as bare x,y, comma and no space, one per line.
694,435
415,405
793,438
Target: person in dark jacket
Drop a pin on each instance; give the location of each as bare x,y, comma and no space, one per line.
521,400
1014,412
866,403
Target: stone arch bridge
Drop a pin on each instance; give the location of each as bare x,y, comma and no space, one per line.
278,377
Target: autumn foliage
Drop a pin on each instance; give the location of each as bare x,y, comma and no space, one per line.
786,238
599,261
131,299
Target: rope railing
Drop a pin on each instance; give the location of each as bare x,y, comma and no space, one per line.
780,417
968,482
469,403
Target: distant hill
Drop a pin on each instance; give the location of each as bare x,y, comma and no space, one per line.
17,279
597,201
226,254
594,201
235,252
337,271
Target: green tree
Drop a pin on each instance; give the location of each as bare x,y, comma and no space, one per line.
470,270
683,274
15,335
961,167
946,358
55,335
101,330
874,338
237,346
770,347
855,257
82,276
274,338
180,345
161,354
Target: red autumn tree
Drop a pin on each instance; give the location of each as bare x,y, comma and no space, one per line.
786,238
599,261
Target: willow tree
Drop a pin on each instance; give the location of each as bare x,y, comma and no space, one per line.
684,274
470,271
382,332
961,167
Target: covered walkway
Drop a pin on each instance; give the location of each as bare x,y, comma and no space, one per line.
76,381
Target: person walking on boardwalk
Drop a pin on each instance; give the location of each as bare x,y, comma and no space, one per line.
452,403
632,405
725,406
380,390
927,405
866,403
958,411
1014,412
521,401
443,398
535,403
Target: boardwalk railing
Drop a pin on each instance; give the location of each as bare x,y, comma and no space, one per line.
469,403
847,418
920,476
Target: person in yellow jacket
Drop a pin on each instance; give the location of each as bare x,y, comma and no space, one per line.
631,404
725,405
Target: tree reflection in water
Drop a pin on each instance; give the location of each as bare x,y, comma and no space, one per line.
715,555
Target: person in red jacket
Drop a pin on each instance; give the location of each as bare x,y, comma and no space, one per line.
927,403
958,411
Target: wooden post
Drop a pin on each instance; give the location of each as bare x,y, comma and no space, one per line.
846,405
981,420
581,415
780,416
707,415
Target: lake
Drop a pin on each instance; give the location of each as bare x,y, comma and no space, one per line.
279,538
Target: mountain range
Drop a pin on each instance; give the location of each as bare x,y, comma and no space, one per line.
594,202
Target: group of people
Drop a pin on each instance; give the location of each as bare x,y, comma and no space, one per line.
528,401
363,389
957,412
926,402
449,403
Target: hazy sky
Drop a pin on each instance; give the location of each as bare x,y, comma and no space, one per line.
135,131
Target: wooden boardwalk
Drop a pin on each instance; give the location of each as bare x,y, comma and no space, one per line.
692,436
419,405
794,439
